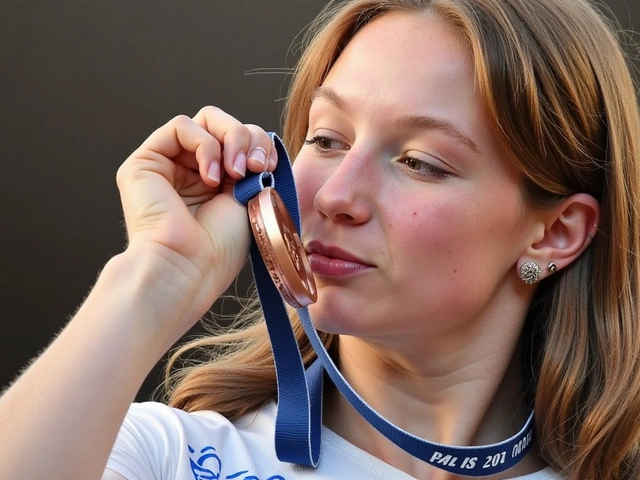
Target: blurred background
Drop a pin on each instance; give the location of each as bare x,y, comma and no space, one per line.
82,85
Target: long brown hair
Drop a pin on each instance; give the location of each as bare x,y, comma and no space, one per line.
559,92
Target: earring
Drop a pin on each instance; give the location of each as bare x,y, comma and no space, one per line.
530,272
552,267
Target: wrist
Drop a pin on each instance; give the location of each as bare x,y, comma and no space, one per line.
149,294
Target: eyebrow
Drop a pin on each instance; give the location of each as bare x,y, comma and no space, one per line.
330,96
432,123
406,121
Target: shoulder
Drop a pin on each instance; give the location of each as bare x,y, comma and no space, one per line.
153,416
160,442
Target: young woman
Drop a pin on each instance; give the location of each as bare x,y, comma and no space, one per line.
467,174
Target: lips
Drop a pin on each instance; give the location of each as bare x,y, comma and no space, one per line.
333,261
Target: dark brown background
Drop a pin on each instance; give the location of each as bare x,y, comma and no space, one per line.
81,85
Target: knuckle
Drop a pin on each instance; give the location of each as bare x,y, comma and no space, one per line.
259,136
241,132
181,120
209,110
255,129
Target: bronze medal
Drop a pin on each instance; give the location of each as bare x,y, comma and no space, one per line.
281,248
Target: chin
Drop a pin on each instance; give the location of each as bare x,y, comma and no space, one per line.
330,317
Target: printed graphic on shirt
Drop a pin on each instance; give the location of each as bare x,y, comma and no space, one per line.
208,466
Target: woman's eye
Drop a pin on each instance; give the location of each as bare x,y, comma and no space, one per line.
420,167
413,163
325,143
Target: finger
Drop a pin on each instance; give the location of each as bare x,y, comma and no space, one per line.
244,146
233,136
205,159
184,141
178,134
262,150
273,159
236,145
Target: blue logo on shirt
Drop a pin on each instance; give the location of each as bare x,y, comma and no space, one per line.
208,466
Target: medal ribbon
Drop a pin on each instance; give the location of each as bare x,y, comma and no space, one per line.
299,416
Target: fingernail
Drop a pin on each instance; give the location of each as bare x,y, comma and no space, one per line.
213,172
240,163
259,154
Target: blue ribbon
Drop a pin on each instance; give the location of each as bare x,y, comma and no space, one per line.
299,416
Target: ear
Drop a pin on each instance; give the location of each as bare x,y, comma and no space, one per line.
569,229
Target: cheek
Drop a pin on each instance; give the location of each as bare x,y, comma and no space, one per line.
426,228
456,236
307,181
450,258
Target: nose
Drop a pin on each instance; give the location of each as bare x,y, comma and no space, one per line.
348,193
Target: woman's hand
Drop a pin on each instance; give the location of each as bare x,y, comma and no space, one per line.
176,192
188,238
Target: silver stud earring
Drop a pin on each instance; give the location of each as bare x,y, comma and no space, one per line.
552,267
530,272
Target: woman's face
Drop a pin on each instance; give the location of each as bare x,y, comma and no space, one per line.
413,217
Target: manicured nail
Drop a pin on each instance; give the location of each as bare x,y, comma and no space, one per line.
240,163
259,154
213,172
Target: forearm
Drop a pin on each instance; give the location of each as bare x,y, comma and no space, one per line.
60,419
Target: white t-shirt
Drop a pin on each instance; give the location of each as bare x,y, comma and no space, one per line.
157,442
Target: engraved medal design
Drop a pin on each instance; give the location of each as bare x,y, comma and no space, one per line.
281,248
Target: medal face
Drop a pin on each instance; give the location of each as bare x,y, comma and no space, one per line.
281,248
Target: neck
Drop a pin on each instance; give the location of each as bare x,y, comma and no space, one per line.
466,397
